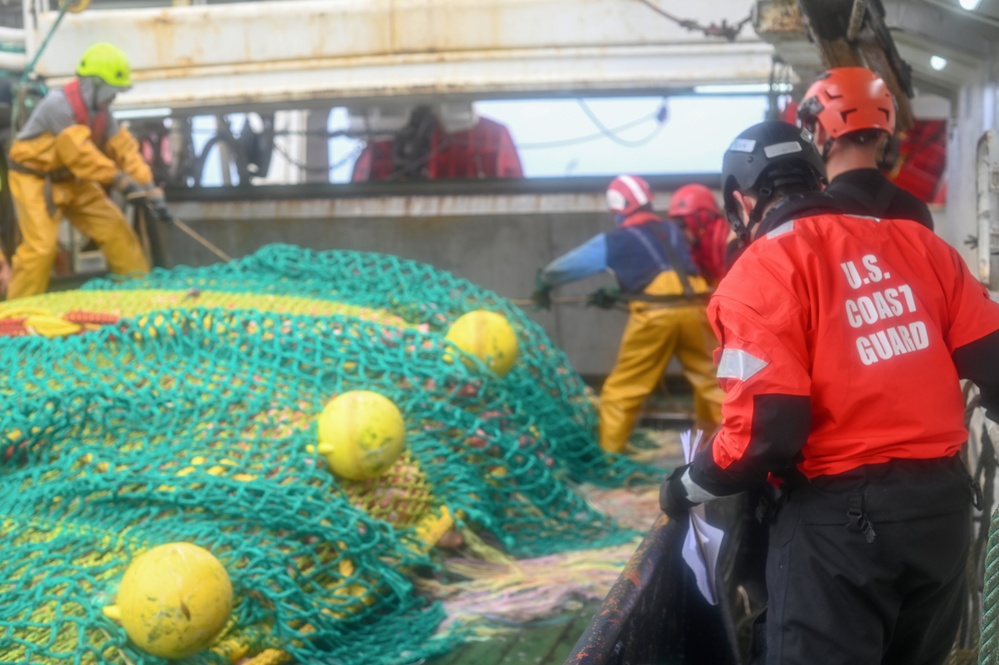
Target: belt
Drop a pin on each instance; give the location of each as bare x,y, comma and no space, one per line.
57,175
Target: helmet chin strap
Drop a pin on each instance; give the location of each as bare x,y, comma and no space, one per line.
826,147
740,229
762,200
744,231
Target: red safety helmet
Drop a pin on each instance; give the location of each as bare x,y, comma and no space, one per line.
690,199
848,99
628,193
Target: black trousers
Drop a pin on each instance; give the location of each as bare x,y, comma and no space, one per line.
868,568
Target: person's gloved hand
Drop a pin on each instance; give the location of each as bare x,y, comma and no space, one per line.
673,495
153,192
157,204
605,297
541,297
126,185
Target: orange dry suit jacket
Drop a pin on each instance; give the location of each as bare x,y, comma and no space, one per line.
843,342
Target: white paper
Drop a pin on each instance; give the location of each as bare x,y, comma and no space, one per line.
703,541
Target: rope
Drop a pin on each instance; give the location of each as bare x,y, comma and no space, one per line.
180,224
207,244
989,645
65,7
566,300
36,321
16,321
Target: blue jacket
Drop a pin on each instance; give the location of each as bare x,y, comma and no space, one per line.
632,251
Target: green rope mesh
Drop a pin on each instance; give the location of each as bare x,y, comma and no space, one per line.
988,649
198,424
420,294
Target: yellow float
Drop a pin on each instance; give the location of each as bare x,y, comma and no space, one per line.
173,600
488,336
361,434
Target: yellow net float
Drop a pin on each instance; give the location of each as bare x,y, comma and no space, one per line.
173,600
488,336
361,434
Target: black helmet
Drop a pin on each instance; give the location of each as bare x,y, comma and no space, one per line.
766,156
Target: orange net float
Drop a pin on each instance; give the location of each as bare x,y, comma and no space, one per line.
13,327
82,317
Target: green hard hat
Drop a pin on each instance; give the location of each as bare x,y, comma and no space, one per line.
107,62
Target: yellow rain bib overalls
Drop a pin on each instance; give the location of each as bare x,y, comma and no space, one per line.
667,299
59,163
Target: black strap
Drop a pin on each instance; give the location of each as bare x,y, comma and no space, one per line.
58,175
674,259
678,266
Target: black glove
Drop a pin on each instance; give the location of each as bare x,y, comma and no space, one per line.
541,297
673,495
156,203
158,208
124,184
604,297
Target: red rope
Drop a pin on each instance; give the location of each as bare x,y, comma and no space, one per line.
82,317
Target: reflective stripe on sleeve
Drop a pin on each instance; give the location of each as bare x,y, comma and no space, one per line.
738,364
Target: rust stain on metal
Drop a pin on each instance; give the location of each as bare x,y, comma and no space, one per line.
779,17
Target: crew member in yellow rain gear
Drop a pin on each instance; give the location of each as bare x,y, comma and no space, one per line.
68,151
651,260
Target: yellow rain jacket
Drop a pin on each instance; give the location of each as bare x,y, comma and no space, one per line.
59,163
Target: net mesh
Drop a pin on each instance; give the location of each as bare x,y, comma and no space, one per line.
181,407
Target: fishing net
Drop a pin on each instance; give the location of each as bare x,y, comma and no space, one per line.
182,406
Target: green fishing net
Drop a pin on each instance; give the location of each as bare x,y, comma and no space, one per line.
181,407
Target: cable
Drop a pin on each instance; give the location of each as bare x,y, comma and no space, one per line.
30,68
540,145
354,154
412,139
412,166
614,137
604,132
729,32
583,139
